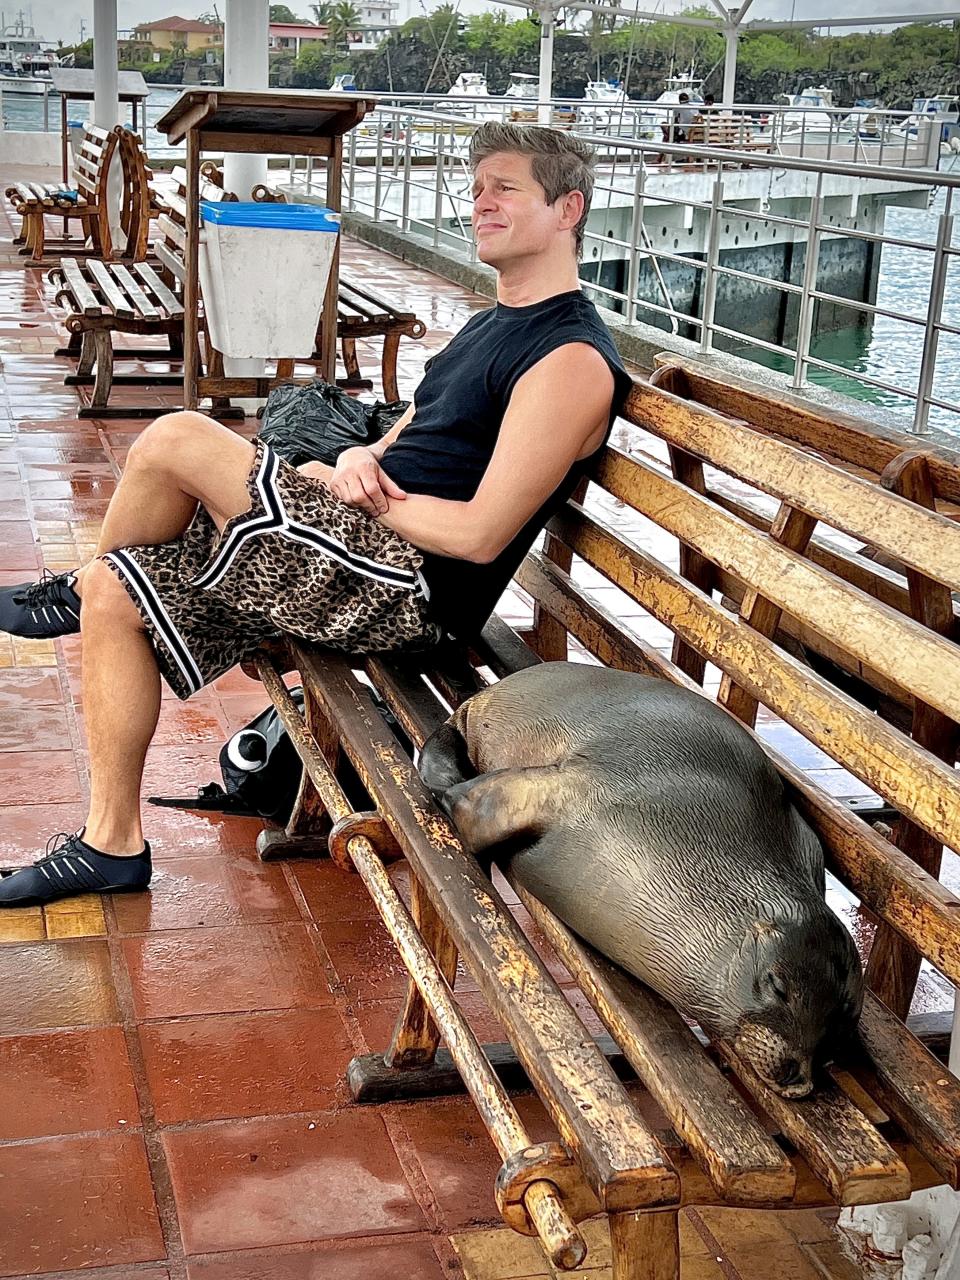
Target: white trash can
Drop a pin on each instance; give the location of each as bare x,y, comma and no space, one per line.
263,273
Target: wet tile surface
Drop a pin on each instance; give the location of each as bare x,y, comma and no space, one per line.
104,1215
64,1082
284,1181
210,1021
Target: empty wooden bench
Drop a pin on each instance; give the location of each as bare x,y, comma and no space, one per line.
88,205
889,1122
140,297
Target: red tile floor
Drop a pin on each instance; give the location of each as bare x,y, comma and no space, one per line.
172,1099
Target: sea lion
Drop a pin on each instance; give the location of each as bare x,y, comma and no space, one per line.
654,825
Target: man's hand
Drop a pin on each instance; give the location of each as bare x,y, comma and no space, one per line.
359,481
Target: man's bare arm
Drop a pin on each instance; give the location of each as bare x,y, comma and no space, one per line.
357,479
558,413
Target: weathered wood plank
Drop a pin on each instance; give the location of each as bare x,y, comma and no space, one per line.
164,296
623,1163
912,1086
111,291
134,292
85,298
792,529
894,966
864,627
837,435
703,1107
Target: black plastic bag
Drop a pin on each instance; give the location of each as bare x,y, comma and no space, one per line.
316,422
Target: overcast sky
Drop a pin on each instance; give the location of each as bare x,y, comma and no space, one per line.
60,19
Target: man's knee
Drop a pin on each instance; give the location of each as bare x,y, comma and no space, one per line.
167,438
104,601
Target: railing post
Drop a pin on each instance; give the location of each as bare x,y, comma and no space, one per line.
633,263
931,333
405,208
810,266
46,110
440,158
378,173
713,258
352,175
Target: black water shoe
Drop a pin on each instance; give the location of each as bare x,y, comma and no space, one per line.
41,610
71,867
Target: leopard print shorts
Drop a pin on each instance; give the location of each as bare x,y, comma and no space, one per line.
299,561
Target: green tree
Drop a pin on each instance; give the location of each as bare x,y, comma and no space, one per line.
345,18
280,13
322,13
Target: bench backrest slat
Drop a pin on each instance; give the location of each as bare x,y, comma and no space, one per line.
855,506
925,663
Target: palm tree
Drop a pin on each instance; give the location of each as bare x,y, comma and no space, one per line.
343,20
322,14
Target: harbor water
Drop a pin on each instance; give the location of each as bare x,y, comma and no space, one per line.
881,347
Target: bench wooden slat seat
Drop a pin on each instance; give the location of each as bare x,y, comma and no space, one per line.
771,520
86,202
130,297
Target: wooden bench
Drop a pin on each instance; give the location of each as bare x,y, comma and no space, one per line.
87,203
142,297
887,1124
362,314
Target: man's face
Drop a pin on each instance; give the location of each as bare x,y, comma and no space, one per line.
511,217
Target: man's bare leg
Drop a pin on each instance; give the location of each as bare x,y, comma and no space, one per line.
121,703
180,460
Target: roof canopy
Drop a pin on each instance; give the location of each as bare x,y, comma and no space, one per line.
768,15
78,83
288,115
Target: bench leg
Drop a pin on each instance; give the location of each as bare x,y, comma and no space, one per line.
645,1246
305,834
415,1037
351,364
103,359
88,354
36,241
388,367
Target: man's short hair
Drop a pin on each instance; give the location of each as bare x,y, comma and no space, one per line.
560,162
684,97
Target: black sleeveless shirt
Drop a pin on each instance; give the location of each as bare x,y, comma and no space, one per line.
446,448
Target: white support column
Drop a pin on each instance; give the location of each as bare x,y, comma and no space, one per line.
106,101
731,35
548,16
106,104
245,66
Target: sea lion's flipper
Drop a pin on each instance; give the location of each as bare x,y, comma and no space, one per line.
507,805
444,760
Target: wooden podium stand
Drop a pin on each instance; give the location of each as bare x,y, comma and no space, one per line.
277,122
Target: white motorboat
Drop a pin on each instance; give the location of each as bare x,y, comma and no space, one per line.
25,60
941,109
812,113
665,109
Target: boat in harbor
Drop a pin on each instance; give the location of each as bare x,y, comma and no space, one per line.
524,89
941,109
25,59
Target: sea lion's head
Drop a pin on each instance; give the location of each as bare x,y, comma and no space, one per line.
798,987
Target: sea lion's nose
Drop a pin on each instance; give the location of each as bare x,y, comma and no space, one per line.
791,1072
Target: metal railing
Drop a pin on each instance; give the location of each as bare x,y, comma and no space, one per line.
409,168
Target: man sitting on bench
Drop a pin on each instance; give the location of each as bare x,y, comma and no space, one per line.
211,543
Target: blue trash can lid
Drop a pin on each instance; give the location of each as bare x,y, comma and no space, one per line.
274,217
74,124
